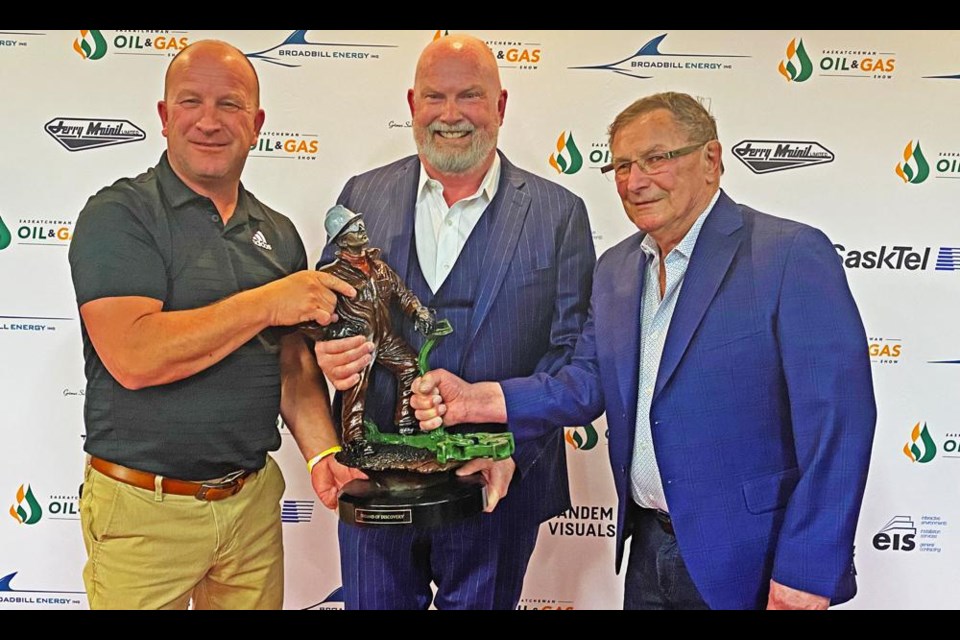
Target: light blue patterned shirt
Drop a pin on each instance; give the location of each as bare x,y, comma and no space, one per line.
655,316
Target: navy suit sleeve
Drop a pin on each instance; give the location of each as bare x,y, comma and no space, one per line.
576,259
833,413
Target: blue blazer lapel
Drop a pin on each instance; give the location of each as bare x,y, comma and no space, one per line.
717,244
394,231
506,214
624,306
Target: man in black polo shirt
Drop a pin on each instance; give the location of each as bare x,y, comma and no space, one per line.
185,284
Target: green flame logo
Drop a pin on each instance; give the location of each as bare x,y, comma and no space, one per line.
574,160
913,451
585,441
912,154
30,515
88,51
789,70
5,236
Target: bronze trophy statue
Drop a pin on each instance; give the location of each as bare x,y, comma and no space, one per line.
411,479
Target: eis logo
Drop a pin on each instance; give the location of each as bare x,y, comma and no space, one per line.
581,438
798,65
286,144
567,159
26,510
920,448
524,56
92,44
899,534
885,350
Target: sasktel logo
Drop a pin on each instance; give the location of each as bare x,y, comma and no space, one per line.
899,257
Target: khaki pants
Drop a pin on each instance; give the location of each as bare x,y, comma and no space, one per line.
148,550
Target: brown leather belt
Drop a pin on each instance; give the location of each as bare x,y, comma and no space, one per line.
217,490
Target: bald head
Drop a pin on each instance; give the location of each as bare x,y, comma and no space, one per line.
467,49
213,51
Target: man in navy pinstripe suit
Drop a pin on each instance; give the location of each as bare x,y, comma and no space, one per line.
728,353
507,257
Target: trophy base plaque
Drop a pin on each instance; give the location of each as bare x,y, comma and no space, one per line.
405,497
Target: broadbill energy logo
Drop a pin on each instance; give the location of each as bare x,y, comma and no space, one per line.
581,438
92,44
296,49
920,447
296,511
334,601
914,168
18,597
649,59
899,257
567,158
544,604
885,350
12,39
514,54
800,62
26,510
901,533
288,145
584,521
79,134
767,156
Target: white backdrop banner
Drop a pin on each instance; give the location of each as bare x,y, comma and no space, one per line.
852,132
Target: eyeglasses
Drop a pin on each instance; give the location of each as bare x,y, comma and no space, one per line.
649,164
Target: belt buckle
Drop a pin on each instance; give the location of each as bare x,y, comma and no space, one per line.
229,481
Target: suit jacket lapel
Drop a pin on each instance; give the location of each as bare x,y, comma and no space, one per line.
394,236
506,214
712,256
625,304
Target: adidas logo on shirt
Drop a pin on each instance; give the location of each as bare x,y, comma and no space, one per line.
261,241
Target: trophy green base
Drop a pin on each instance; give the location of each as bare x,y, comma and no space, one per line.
391,498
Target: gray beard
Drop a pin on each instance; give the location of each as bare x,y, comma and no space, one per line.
453,160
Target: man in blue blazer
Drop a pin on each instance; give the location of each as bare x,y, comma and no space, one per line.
735,379
508,258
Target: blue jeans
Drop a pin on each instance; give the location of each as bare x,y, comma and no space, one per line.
656,577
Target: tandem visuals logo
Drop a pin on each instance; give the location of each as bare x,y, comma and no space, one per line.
516,54
585,521
296,511
885,350
767,156
581,438
545,604
49,598
296,49
333,602
843,62
14,39
37,231
27,509
92,43
899,257
901,533
290,145
80,134
567,159
649,60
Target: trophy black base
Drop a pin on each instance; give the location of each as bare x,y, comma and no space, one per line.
408,498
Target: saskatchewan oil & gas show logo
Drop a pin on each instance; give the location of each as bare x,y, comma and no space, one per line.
567,158
914,168
80,134
581,438
903,533
885,351
36,231
649,60
514,53
290,145
922,448
94,44
26,509
801,63
15,598
296,49
545,604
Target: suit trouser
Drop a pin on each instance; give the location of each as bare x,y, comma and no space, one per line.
149,550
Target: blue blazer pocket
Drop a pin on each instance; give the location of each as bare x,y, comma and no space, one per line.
770,492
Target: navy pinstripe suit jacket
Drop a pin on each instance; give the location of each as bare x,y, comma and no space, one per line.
531,302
